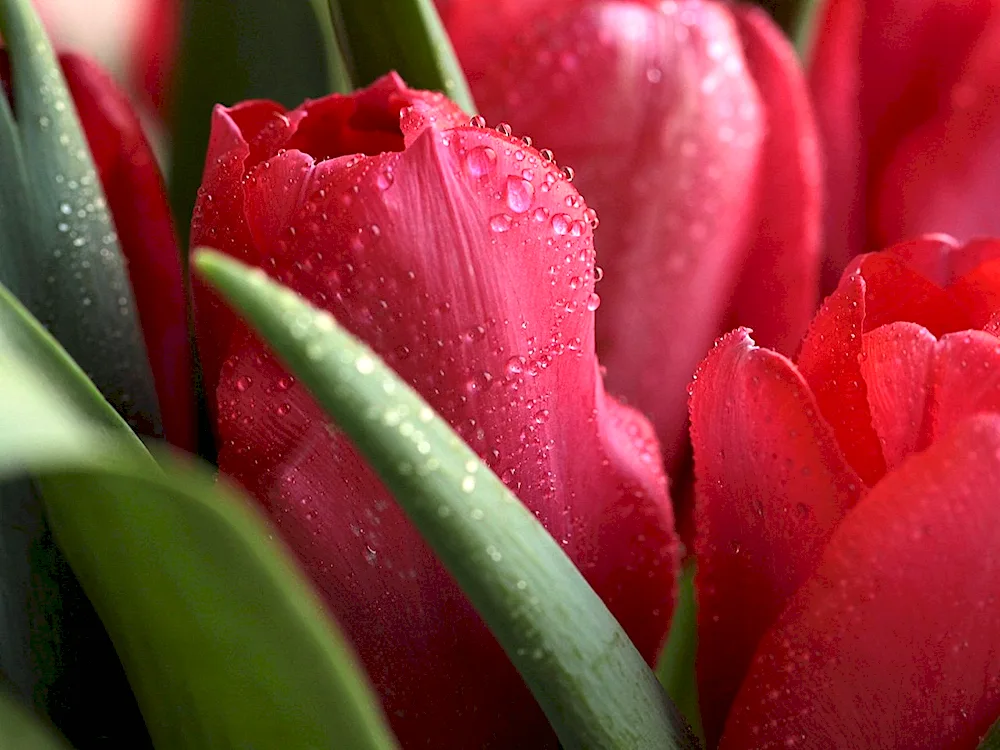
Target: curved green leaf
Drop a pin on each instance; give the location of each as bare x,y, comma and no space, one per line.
798,19
402,35
21,731
69,271
992,739
234,50
53,648
675,669
593,685
222,638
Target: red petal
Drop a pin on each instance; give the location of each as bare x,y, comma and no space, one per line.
835,83
966,378
654,108
156,50
909,55
892,642
771,487
136,197
943,176
467,263
895,366
830,361
779,285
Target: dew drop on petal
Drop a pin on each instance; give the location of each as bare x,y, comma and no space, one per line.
560,223
500,223
480,161
520,194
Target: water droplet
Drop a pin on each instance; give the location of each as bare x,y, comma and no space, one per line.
569,173
242,383
547,155
503,128
478,121
365,365
384,180
500,223
468,483
480,161
560,223
593,301
520,194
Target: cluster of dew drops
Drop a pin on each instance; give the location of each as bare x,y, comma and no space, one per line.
519,194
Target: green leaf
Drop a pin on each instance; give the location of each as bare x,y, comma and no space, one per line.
676,667
223,641
67,268
237,50
20,730
798,19
593,685
53,648
992,739
402,35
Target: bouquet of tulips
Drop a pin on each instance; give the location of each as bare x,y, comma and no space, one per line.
595,374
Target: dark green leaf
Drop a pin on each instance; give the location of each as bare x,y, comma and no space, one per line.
675,669
223,640
19,730
70,273
587,676
798,19
232,51
402,35
992,739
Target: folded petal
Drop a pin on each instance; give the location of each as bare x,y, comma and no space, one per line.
137,199
655,109
771,486
896,364
892,642
779,285
830,361
465,260
966,380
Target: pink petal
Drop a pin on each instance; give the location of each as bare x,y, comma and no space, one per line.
137,198
830,361
771,487
779,285
466,261
655,109
895,365
892,642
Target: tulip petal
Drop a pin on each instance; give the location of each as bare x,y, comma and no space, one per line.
655,109
771,487
138,202
966,377
892,642
830,361
777,291
466,261
943,176
895,365
908,56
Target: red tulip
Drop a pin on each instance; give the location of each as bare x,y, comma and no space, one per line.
466,261
690,132
846,511
907,101
135,193
135,39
